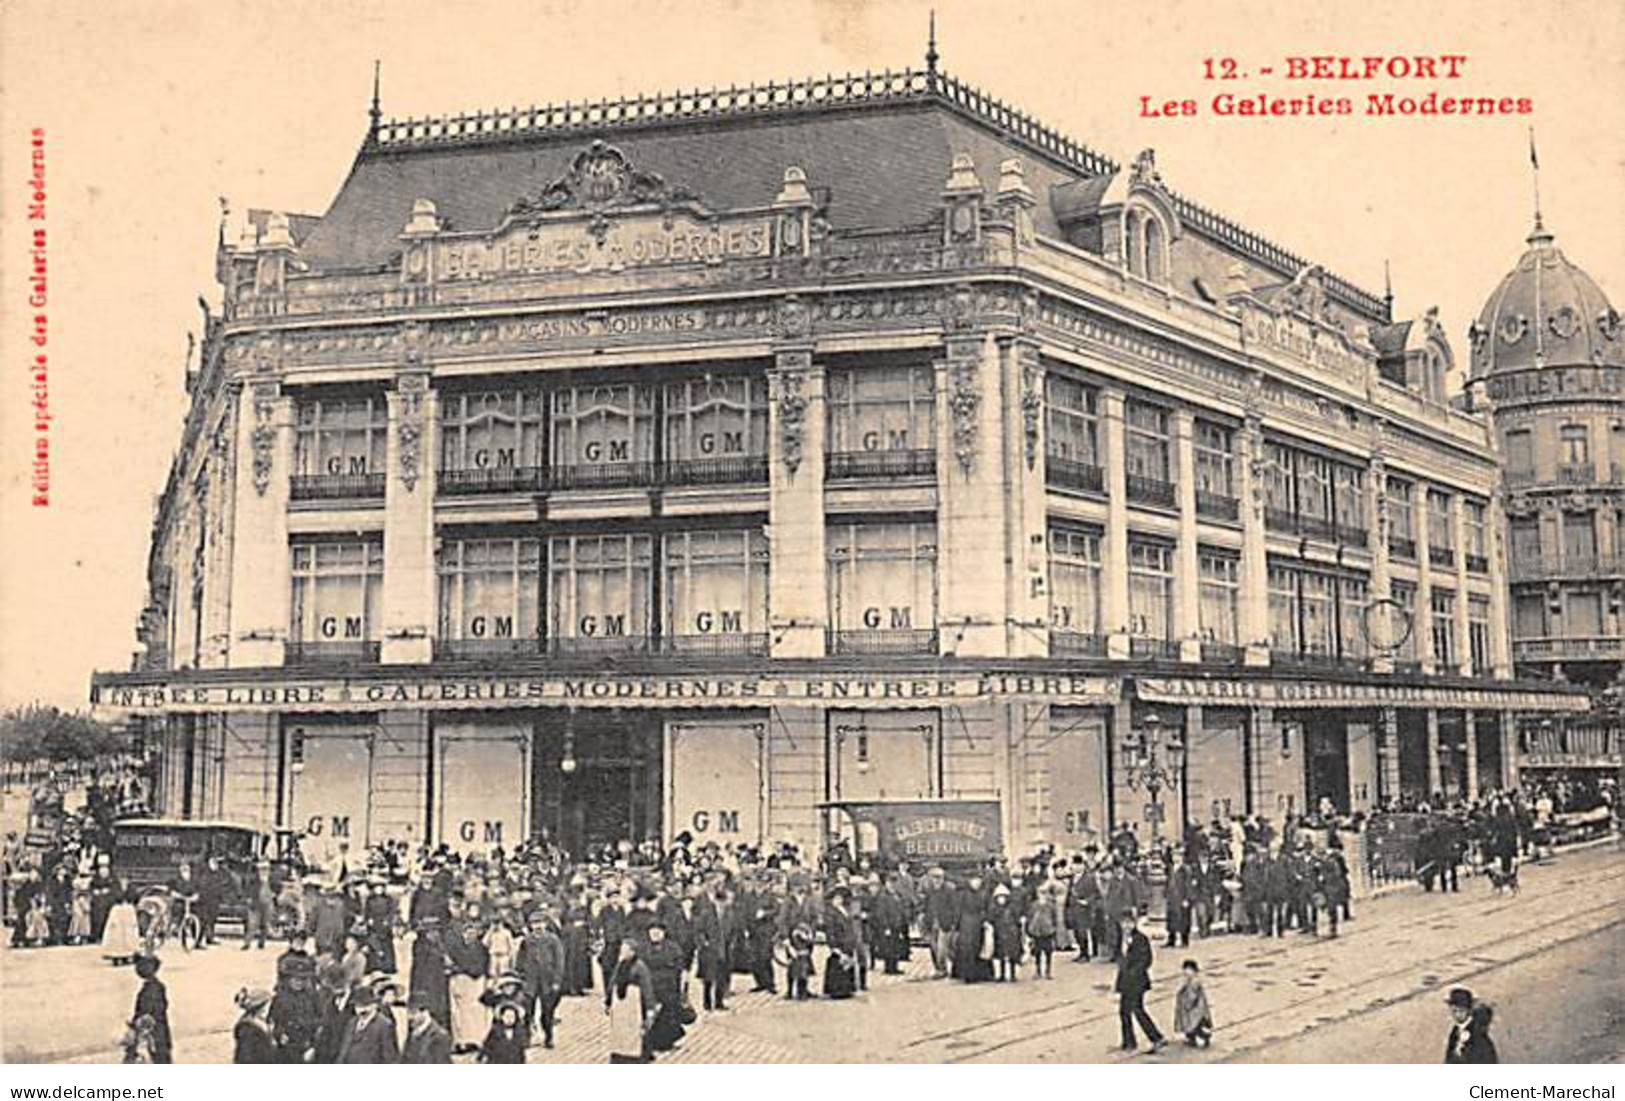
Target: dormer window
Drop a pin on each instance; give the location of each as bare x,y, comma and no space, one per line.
1146,243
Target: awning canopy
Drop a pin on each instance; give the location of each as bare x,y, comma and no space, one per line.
1262,692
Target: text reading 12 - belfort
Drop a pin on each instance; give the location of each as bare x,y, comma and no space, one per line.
1319,85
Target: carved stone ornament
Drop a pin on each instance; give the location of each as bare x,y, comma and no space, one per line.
1032,408
1478,334
1306,294
1564,323
263,437
959,309
1513,327
793,319
410,390
414,338
964,406
601,177
1144,171
1608,324
790,412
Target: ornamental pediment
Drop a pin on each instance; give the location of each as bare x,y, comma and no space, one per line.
601,178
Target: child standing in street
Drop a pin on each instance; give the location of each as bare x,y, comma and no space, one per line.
1192,1016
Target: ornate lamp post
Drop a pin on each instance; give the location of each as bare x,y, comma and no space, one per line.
1154,759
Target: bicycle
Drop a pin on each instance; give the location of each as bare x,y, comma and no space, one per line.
190,926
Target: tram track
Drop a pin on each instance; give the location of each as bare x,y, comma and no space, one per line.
1321,954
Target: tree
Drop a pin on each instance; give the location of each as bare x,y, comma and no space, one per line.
45,733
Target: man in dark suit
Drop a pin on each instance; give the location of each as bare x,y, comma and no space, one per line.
541,968
426,1041
371,1039
716,928
1133,980
1469,1040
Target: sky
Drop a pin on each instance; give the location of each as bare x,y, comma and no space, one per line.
153,111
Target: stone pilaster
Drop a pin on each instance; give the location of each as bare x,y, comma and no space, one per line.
1114,555
1469,726
1027,530
1435,779
970,498
1458,535
1382,580
1424,582
260,565
797,593
1500,613
409,577
1388,748
1187,578
222,497
1509,750
1254,613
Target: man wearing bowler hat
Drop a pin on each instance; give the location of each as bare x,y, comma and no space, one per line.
1469,1040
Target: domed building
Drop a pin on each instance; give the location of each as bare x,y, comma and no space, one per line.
1549,350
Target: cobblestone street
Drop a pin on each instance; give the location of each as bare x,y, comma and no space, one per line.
1373,993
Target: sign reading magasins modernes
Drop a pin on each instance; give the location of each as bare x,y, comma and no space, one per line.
440,692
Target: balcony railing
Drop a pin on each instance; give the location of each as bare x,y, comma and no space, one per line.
880,464
491,479
1280,519
903,641
1590,648
1317,527
1139,646
722,645
1221,653
1580,568
327,651
453,649
1217,506
331,487
1076,644
598,646
725,470
1150,491
601,476
1351,536
1072,474
1400,547
1576,473
1478,563
1442,556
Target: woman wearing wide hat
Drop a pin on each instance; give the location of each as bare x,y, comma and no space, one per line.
252,1036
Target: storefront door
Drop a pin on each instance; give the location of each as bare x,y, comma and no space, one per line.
330,781
1326,760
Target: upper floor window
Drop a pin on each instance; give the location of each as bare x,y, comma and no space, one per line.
1314,487
1348,490
1219,595
1520,451
599,590
490,591
715,419
1074,580
344,438
1072,415
603,434
1401,517
1278,480
1441,526
1215,459
337,592
1404,595
1150,589
1579,536
883,579
716,585
1478,633
1525,539
1529,615
1444,627
1474,515
491,429
1573,444
882,409
1146,441
1146,244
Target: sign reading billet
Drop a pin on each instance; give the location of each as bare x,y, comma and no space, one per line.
222,692
1280,693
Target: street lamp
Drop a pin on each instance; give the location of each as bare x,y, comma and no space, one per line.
567,763
1154,759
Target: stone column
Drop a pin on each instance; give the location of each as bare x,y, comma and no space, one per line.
1458,535
1500,614
1424,582
1509,750
1382,587
1027,519
1389,750
1469,726
409,562
1187,577
797,596
217,584
260,565
1435,783
1254,613
972,564
1114,579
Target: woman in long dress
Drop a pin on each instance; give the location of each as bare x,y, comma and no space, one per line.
841,970
629,1000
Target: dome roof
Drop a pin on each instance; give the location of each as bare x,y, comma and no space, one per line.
1546,313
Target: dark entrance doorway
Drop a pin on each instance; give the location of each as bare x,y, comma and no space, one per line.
598,780
1326,760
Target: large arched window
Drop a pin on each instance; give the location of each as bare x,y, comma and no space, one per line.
1134,242
1156,268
